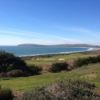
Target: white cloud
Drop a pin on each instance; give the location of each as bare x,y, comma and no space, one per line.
88,36
82,31
18,37
11,40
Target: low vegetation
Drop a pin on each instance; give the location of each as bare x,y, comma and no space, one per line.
81,68
36,70
48,60
12,66
57,67
79,62
6,94
85,61
63,90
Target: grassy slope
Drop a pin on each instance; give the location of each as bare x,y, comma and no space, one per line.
88,73
41,61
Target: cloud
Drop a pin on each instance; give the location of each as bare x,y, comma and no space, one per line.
17,33
17,37
12,40
82,31
81,34
78,35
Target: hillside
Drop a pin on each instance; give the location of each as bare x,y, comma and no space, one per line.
62,45
88,72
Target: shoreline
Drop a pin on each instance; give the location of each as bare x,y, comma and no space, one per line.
60,53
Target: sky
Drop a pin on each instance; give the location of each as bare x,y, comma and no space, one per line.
49,22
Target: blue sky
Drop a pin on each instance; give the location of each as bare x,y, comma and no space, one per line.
49,21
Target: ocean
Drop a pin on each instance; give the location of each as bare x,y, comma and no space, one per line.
40,50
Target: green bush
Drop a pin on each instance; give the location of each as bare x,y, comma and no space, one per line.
12,66
64,90
35,69
6,94
85,61
57,67
10,62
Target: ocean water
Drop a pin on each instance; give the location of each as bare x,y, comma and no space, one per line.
40,50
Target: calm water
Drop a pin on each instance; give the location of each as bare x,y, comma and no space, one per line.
34,50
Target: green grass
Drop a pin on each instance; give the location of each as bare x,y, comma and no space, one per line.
89,73
41,61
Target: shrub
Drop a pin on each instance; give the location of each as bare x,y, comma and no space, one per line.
85,61
9,62
2,74
71,89
16,73
35,69
63,90
6,94
57,67
38,94
12,66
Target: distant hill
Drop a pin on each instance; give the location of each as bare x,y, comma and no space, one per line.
62,45
79,45
31,45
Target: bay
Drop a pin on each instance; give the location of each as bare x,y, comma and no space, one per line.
40,50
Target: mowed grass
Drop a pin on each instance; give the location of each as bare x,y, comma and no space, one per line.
89,73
